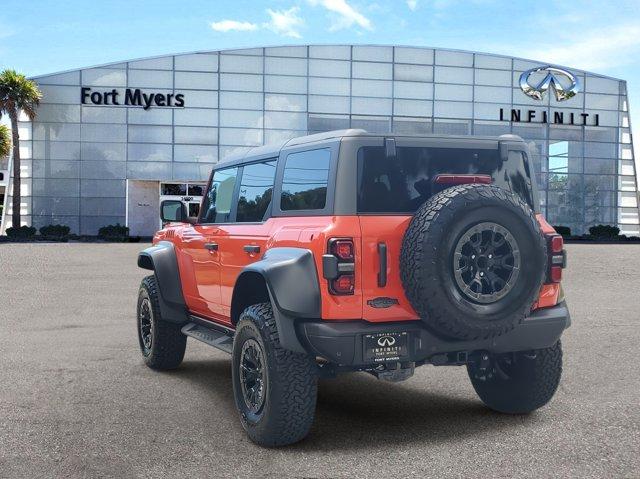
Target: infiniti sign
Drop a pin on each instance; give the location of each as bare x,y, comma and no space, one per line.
552,78
385,341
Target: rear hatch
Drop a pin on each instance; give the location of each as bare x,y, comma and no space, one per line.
390,190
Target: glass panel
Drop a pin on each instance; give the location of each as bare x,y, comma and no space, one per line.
149,152
371,88
600,166
600,150
56,131
156,116
319,123
231,81
101,132
196,117
200,62
565,200
59,113
329,68
240,64
453,92
195,135
452,127
216,205
445,57
406,182
70,78
201,98
328,104
104,77
149,134
174,189
329,86
239,118
285,120
286,66
602,85
196,81
162,63
454,75
293,51
195,153
372,124
451,109
371,106
60,94
492,94
240,136
423,56
196,190
241,100
281,102
101,114
104,151
381,71
602,102
140,170
412,107
284,84
492,61
305,181
339,52
420,91
372,53
413,73
601,134
150,79
256,188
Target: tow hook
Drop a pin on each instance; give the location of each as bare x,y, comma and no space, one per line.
394,372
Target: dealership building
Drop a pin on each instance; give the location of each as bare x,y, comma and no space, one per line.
111,142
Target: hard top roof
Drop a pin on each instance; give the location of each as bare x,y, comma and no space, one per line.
273,149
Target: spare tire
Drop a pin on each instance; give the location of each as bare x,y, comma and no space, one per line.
473,260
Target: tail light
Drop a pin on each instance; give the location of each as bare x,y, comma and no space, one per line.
338,266
557,257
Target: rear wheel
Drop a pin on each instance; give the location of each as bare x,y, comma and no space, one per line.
162,343
518,383
275,389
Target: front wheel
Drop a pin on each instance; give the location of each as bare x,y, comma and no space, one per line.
275,390
517,383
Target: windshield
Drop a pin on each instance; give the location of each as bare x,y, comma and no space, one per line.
403,183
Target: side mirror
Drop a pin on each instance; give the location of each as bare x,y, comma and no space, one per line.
173,211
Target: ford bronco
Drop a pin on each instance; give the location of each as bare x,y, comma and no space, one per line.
348,251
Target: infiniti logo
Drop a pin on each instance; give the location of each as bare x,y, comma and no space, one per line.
551,79
386,341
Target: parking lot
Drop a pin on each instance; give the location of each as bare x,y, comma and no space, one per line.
76,400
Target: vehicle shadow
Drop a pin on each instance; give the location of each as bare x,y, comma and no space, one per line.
357,411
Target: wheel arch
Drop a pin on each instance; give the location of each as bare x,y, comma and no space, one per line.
161,259
288,279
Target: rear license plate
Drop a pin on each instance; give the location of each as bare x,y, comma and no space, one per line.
384,347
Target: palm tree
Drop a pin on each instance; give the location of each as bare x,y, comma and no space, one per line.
5,141
17,93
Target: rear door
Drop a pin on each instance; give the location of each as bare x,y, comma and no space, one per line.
244,240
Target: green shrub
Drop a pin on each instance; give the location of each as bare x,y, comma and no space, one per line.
55,231
604,231
115,232
563,230
21,232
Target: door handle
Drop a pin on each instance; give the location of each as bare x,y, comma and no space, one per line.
382,273
251,248
211,246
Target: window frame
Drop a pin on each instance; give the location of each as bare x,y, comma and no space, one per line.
236,192
333,148
234,196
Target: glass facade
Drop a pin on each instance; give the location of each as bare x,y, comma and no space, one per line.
78,156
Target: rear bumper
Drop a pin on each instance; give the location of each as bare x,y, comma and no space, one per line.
342,342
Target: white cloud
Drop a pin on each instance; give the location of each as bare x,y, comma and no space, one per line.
594,50
343,15
412,4
285,22
233,25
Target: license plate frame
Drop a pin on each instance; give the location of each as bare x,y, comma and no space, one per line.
385,347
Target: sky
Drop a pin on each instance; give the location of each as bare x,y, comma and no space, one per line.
38,37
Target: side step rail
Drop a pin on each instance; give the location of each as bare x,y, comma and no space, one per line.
214,335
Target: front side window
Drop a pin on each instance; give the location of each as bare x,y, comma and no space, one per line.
305,180
216,206
256,189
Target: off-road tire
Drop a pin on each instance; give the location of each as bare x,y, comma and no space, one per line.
291,383
168,343
426,261
523,386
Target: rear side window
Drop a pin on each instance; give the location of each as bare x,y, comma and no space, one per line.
256,189
305,180
403,183
216,205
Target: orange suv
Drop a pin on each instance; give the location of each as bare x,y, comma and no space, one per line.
348,251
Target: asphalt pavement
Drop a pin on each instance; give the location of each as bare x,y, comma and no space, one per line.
77,401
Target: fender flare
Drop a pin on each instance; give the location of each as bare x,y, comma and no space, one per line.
161,259
291,280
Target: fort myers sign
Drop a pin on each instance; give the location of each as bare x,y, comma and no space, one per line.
131,97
